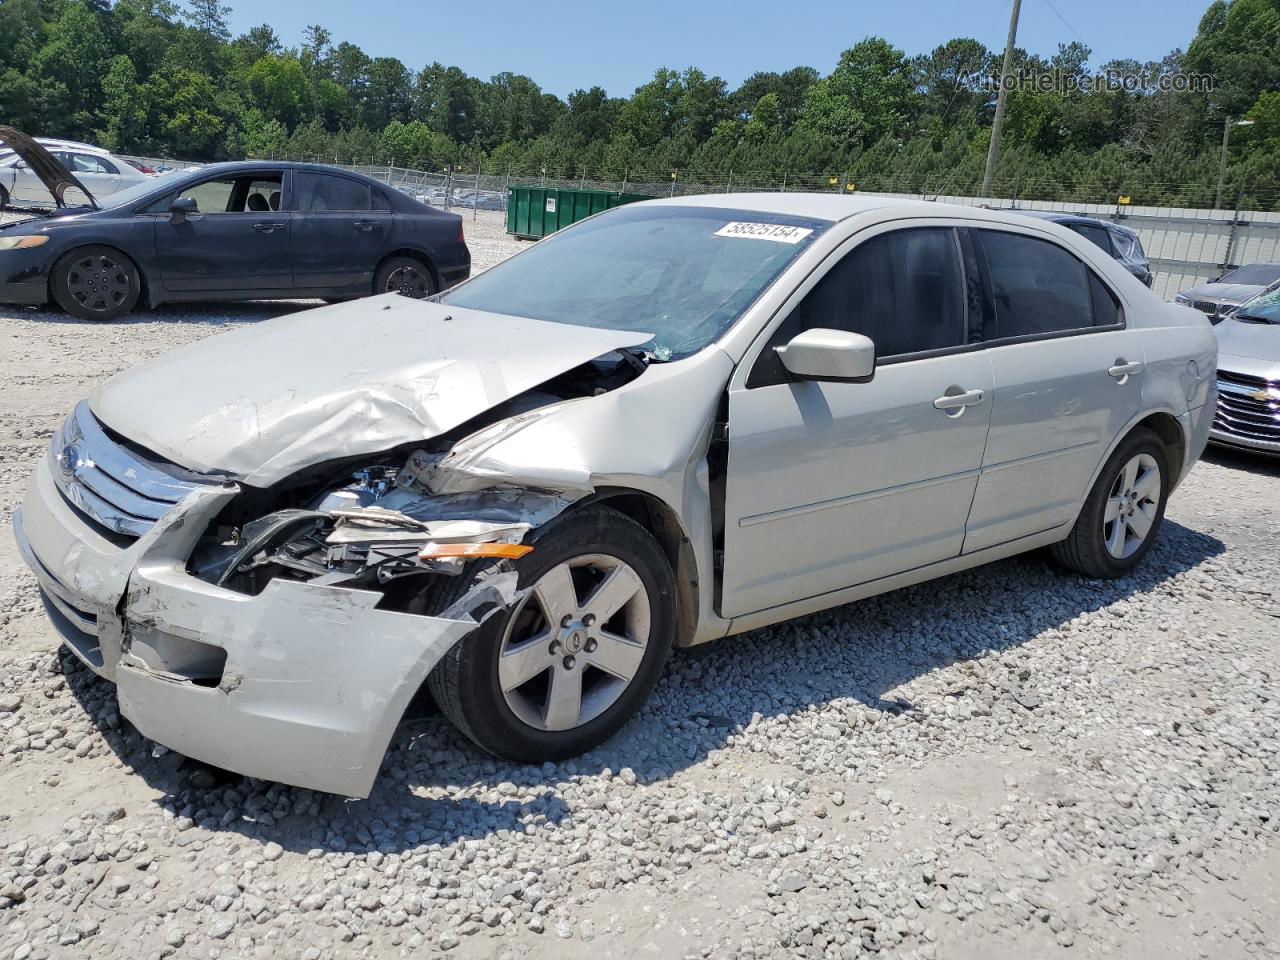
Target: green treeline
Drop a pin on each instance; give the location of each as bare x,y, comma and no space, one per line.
154,78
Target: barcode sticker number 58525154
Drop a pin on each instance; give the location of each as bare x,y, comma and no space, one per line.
777,232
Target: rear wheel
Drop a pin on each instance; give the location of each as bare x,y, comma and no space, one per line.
4,198
96,283
567,665
1123,513
405,276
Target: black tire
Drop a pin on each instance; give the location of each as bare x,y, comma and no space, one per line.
95,283
405,276
4,198
465,683
1085,550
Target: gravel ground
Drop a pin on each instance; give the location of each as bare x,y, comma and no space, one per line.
1008,763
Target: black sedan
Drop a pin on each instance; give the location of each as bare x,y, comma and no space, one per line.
229,231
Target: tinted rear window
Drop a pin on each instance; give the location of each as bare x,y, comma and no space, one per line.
318,192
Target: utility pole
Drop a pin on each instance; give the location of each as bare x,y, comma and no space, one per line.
993,151
1222,163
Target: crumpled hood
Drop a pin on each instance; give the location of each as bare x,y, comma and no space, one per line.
263,402
1223,292
1257,341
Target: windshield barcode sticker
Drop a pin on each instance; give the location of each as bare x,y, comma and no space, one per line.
777,232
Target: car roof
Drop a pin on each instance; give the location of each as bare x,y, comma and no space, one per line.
1057,216
836,207
71,145
816,206
232,166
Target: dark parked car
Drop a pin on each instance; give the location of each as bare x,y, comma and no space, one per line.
1222,296
1120,242
229,231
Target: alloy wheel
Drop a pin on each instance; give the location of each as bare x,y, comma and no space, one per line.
1132,506
574,643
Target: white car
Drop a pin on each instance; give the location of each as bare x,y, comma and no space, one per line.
101,172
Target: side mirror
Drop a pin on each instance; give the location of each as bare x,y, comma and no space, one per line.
822,354
181,208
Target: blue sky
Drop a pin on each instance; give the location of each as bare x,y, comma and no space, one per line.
577,43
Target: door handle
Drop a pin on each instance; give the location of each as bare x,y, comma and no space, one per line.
365,225
958,401
1123,368
268,227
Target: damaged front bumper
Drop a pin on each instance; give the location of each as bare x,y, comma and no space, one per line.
302,683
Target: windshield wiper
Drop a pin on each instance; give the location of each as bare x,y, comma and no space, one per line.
1252,318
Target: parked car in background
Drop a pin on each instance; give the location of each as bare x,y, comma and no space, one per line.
253,230
142,167
672,422
1248,413
98,170
1118,241
1220,297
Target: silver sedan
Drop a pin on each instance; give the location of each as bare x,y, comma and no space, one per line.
673,422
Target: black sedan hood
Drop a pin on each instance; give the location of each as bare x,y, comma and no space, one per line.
45,166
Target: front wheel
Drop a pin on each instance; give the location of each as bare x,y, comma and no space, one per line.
405,276
96,283
1123,513
565,667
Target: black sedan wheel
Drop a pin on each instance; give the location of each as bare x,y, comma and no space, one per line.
96,283
405,276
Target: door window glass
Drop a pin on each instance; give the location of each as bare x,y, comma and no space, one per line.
1037,287
320,191
254,193
88,163
905,290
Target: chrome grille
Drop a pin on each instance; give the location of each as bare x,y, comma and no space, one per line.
1206,306
1248,407
107,481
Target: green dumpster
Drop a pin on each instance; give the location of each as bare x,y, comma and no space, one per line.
534,212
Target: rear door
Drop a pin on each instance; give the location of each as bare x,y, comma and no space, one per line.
1068,377
342,227
235,244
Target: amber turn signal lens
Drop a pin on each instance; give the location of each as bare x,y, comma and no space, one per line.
470,551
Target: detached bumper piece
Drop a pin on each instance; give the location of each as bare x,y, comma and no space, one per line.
302,683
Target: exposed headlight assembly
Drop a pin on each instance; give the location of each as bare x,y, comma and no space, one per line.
21,243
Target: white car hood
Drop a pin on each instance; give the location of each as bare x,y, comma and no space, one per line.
357,378
1257,341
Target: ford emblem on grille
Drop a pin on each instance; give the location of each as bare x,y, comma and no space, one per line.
70,459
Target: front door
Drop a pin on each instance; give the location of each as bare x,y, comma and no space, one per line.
238,240
1068,377
342,229
833,484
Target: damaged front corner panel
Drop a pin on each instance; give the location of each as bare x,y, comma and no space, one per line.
316,678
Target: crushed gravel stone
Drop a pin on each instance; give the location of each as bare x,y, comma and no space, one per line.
1003,764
